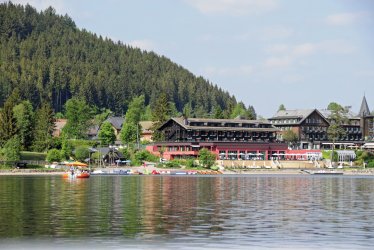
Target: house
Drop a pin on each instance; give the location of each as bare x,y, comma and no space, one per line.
116,122
109,156
93,132
311,127
232,139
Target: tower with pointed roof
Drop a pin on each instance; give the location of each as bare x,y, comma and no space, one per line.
364,109
366,120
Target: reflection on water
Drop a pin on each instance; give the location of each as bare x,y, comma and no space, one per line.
189,211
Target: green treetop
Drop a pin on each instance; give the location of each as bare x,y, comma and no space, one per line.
106,134
79,115
281,107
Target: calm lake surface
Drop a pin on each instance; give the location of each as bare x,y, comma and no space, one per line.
187,212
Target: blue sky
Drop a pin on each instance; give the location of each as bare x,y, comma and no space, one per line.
303,54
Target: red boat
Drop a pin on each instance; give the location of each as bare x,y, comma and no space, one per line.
76,175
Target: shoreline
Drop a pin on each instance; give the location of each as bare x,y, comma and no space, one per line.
351,172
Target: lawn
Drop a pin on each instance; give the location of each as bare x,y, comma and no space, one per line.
33,156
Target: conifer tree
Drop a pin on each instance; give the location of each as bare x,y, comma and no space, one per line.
281,107
24,115
50,59
8,123
44,126
160,115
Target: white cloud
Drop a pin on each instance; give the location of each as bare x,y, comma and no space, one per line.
243,70
58,5
346,18
145,44
233,7
282,55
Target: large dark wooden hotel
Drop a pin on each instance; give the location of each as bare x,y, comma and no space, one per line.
232,139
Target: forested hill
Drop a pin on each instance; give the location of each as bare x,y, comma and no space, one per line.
49,59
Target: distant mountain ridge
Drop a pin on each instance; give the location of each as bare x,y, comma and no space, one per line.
49,59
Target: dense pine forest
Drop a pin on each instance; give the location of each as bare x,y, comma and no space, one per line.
50,60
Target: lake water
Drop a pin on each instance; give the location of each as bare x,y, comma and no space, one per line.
187,212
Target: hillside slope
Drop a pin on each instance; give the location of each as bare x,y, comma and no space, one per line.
49,59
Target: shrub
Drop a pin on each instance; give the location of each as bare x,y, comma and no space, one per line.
172,164
82,153
206,158
359,153
190,163
53,155
126,153
95,156
370,164
214,168
144,155
11,150
367,156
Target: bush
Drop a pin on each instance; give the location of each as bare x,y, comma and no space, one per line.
370,164
56,142
53,155
144,155
95,156
190,163
11,150
82,153
215,168
359,153
367,156
126,153
206,158
172,164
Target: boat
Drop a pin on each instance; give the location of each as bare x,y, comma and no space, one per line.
77,170
75,174
112,172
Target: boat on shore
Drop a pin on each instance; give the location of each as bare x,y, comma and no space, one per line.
153,172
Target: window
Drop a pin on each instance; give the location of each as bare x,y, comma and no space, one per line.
222,155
